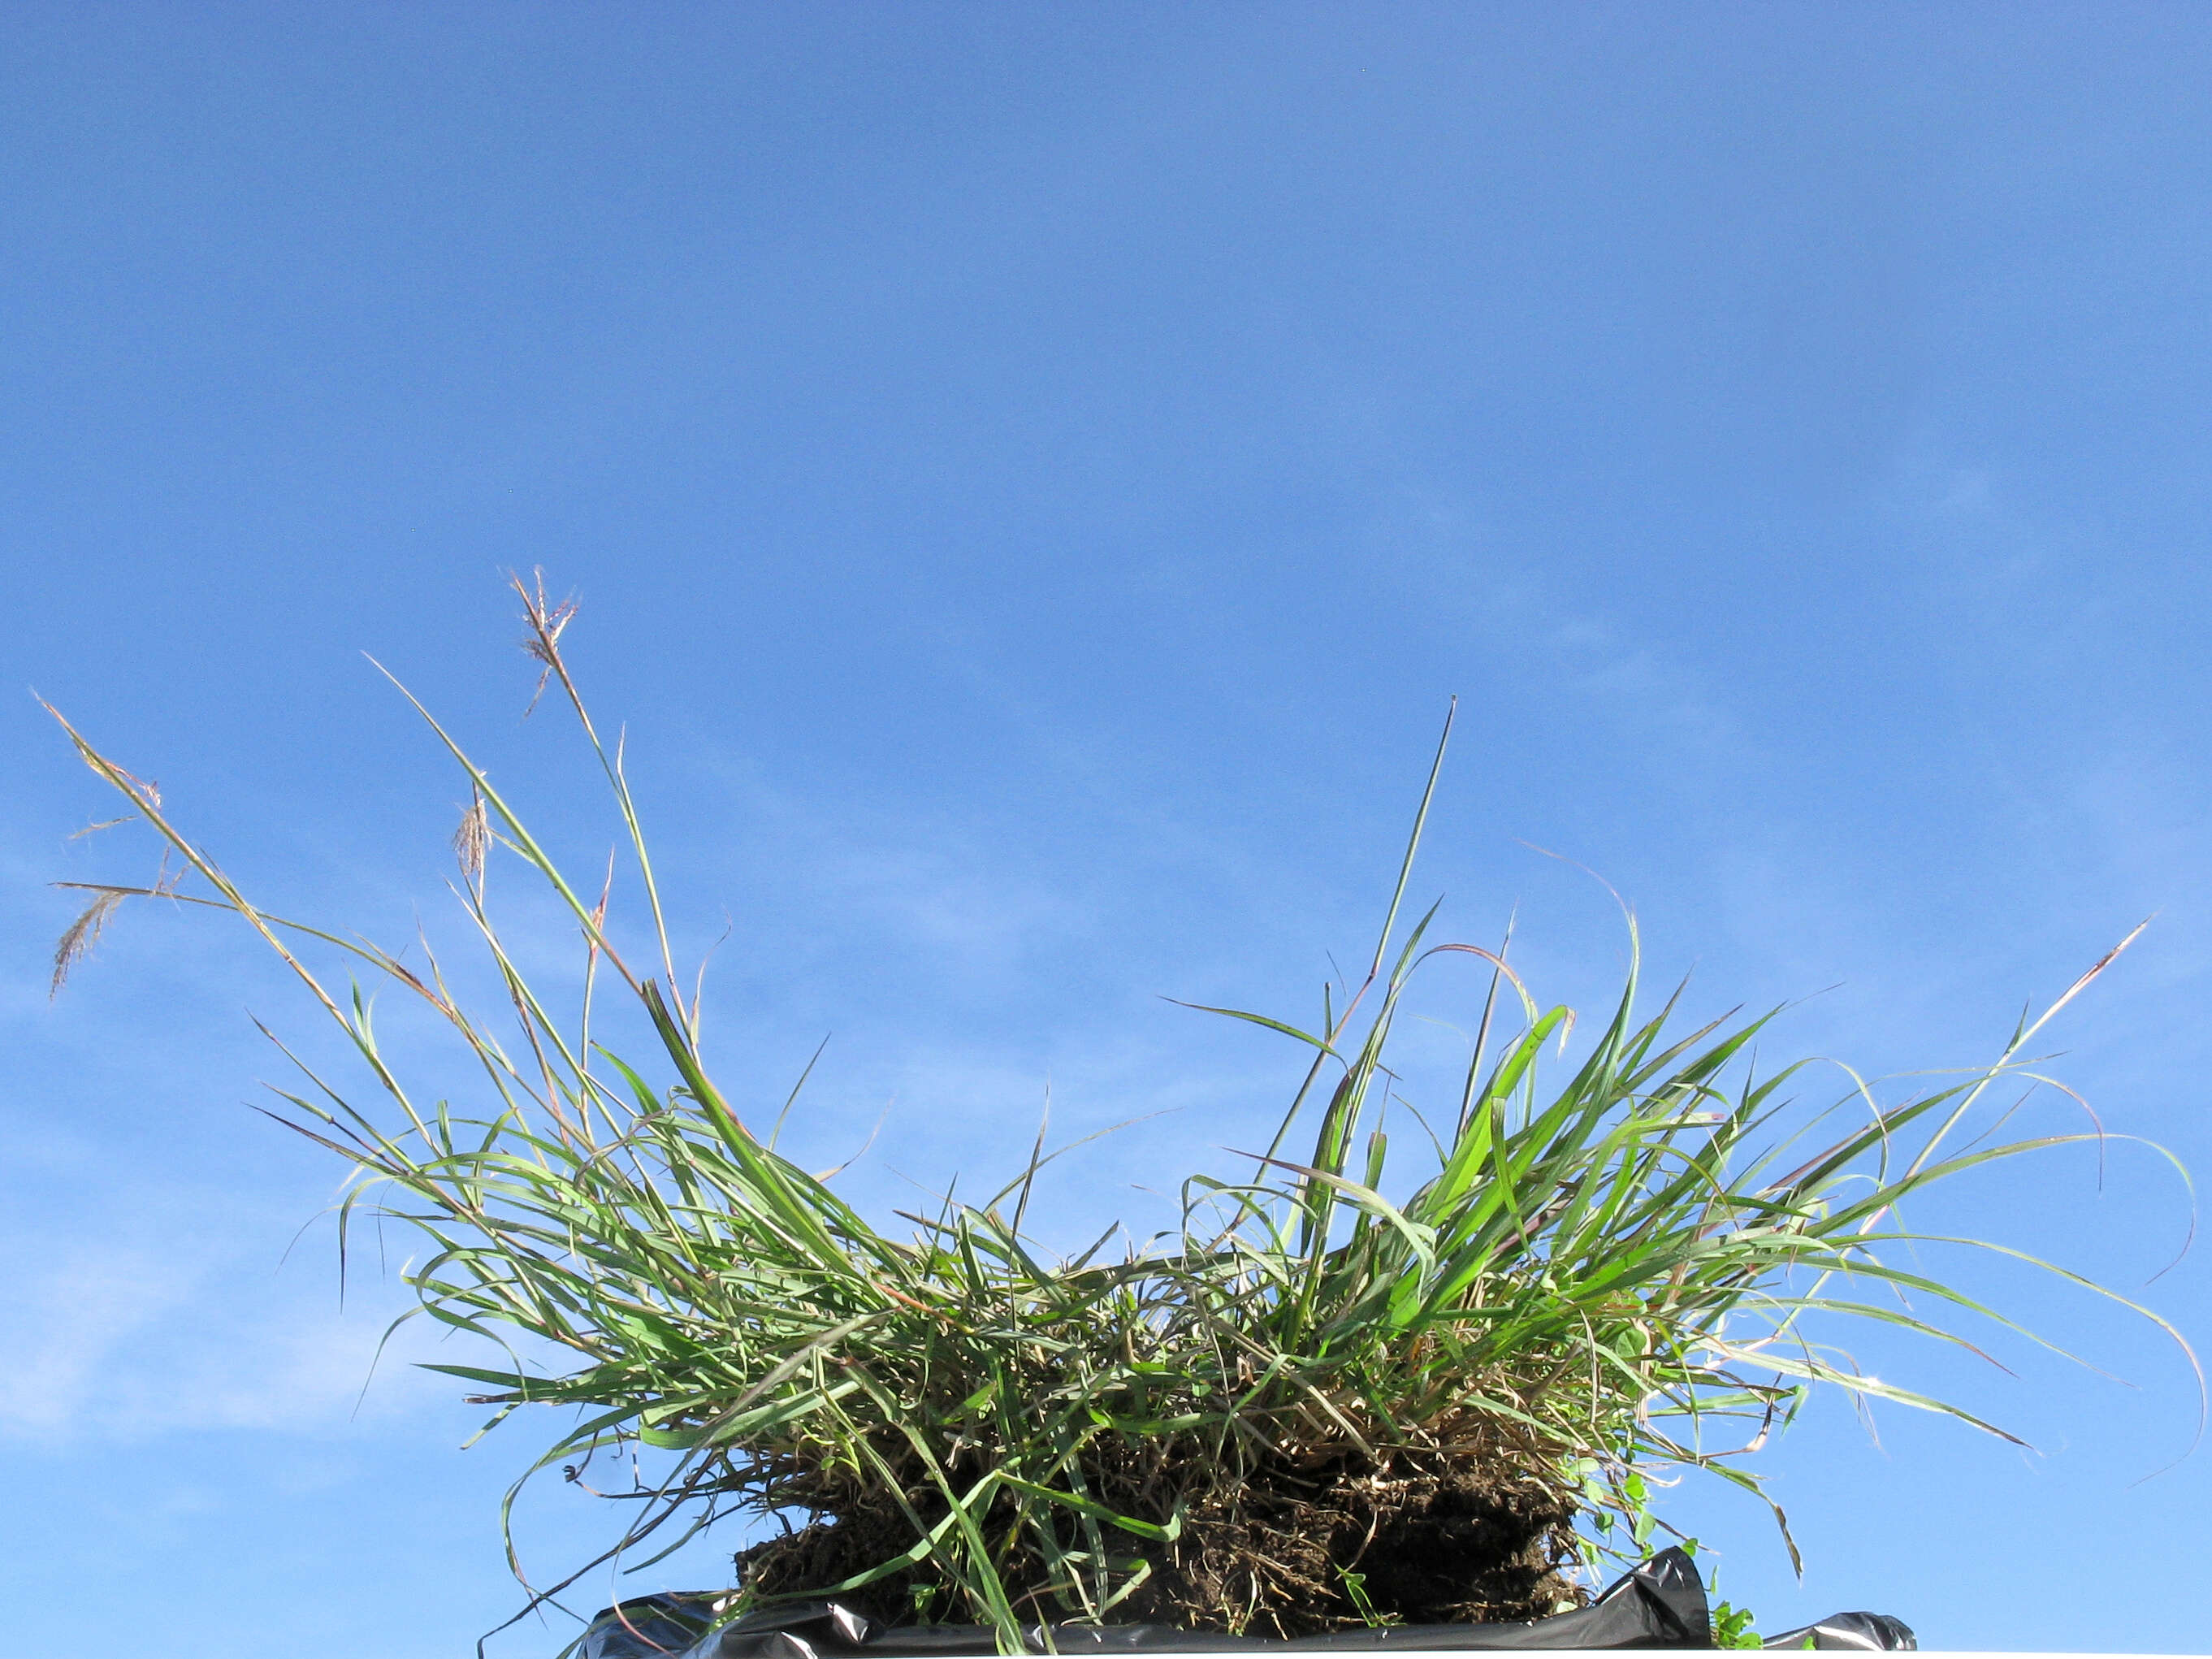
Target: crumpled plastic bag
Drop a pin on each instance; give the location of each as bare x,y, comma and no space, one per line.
1661,1603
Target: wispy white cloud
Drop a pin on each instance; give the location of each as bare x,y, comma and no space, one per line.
168,1328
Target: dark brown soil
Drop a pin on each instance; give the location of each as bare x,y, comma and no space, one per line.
1432,1541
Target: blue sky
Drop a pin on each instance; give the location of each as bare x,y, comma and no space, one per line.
1033,477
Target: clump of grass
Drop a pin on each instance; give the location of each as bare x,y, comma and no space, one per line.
1310,1407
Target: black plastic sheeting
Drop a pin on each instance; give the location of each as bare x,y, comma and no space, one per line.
1659,1604
1867,1632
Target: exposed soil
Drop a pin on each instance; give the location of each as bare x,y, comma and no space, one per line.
1433,1541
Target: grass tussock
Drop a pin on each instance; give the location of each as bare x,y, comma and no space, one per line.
1312,1406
